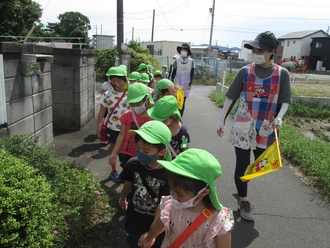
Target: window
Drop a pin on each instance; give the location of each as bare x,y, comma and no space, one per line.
282,43
288,43
294,42
318,44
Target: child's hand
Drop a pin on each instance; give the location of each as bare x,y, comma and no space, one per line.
112,159
123,204
144,242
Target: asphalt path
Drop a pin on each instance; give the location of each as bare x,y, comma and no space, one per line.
288,213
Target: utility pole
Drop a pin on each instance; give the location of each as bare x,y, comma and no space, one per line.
153,25
132,33
120,28
212,12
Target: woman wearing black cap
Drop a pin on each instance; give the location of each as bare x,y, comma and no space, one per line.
263,91
183,71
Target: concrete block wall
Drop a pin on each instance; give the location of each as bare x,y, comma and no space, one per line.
28,97
62,95
73,88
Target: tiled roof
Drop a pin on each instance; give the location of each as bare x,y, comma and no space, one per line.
299,34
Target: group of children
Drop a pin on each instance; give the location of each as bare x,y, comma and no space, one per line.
166,187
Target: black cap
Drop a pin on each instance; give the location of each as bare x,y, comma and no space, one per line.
185,46
265,41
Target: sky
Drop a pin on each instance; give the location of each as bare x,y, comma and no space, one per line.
190,20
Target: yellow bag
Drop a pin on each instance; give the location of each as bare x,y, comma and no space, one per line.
180,97
268,161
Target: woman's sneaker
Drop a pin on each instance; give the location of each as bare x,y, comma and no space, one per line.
114,176
246,210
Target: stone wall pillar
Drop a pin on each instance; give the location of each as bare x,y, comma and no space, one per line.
73,88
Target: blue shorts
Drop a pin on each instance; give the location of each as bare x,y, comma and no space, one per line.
112,135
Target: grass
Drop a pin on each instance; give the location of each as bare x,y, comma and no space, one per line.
312,156
312,88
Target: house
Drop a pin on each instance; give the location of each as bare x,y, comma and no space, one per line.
163,50
319,58
297,44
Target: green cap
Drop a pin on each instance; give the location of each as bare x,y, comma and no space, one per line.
157,73
142,66
162,84
135,75
164,108
116,71
150,68
145,78
155,132
124,66
136,92
164,66
197,164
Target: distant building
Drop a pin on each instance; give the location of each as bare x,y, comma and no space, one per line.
319,58
101,42
297,44
163,50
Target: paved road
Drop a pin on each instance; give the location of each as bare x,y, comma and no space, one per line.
287,212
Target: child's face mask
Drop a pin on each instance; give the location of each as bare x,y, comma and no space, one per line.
146,159
188,204
139,110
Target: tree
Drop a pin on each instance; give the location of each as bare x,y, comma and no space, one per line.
18,17
72,24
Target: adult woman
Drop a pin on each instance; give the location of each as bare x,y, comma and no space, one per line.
263,91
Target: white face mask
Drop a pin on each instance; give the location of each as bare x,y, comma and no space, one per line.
184,54
187,204
139,110
258,59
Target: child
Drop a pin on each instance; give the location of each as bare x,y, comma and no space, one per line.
157,77
139,101
109,105
145,181
163,88
146,81
193,194
164,71
134,77
166,110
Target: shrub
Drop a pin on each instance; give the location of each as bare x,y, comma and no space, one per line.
76,195
28,213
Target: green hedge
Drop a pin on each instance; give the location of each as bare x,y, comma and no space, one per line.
28,214
76,196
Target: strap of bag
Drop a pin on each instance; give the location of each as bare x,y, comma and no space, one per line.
116,105
134,118
206,214
172,150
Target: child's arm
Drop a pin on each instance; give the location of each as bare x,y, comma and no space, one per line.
157,227
123,203
99,119
118,144
223,240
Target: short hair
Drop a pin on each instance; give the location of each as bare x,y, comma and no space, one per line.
159,146
177,181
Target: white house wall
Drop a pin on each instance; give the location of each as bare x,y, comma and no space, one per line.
300,46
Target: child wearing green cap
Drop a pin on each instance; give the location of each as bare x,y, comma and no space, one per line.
193,194
163,88
145,181
112,102
166,110
139,102
164,71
